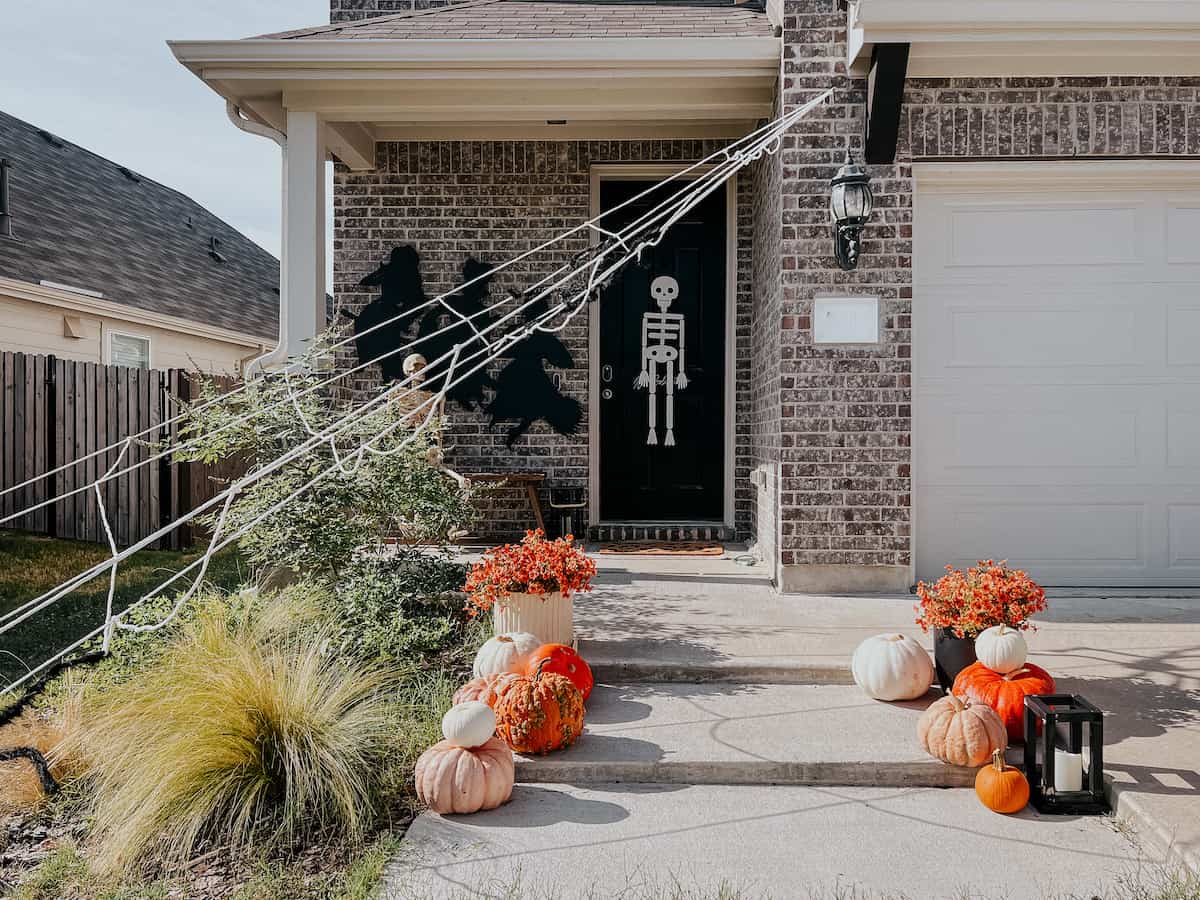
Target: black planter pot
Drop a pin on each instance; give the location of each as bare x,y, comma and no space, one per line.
951,655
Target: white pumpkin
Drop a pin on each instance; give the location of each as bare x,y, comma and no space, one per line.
504,652
892,667
469,724
1002,649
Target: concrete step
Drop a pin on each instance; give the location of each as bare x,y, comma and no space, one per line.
652,670
745,734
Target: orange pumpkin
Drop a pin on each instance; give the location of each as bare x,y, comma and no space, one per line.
1000,787
1004,693
563,660
487,688
452,779
540,712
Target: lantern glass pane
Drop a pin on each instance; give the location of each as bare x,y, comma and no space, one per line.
855,202
837,202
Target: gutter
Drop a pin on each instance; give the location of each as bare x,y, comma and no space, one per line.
278,354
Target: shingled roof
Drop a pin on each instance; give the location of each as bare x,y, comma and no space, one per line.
499,19
84,221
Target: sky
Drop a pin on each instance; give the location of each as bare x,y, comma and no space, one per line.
100,74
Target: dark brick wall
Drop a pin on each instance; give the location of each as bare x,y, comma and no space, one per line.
495,200
845,417
1051,117
765,351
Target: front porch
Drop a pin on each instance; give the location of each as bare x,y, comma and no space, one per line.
483,132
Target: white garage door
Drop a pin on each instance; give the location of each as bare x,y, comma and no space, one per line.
1056,366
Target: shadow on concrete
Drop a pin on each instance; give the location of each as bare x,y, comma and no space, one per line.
535,807
614,706
592,747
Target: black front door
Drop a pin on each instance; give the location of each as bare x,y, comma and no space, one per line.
662,436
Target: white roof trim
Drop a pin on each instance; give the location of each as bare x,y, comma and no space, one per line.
94,306
681,86
646,52
1032,37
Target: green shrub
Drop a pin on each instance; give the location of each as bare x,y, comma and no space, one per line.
245,732
398,608
352,507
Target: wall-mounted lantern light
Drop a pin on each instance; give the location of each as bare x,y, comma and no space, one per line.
850,201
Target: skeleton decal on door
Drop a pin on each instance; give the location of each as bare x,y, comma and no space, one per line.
663,345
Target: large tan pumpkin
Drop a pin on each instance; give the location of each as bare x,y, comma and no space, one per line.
960,732
459,780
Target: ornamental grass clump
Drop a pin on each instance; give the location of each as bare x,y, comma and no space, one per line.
242,734
534,566
987,594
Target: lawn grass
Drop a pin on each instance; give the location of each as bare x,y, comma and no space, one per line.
31,565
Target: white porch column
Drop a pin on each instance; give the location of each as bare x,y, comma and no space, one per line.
302,268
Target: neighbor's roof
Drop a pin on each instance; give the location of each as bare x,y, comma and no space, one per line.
500,19
83,221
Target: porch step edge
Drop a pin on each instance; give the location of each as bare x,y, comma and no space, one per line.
841,773
660,671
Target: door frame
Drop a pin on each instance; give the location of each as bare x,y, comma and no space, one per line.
639,172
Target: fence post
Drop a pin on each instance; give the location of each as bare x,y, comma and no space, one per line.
51,440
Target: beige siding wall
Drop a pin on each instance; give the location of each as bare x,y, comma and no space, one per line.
30,327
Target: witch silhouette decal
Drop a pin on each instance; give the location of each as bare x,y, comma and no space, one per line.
440,330
525,393
400,292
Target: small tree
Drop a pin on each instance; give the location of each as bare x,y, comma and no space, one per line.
349,508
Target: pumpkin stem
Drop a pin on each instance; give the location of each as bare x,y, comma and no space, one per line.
959,706
541,665
1011,675
998,760
504,639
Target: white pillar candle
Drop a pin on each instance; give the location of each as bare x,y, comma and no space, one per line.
1068,771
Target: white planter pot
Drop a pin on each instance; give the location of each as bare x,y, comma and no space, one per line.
549,616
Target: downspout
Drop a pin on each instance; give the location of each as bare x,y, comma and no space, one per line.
279,354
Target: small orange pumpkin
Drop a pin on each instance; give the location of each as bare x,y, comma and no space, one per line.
1000,787
487,688
563,660
1004,693
540,712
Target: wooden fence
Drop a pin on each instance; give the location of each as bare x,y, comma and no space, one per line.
56,410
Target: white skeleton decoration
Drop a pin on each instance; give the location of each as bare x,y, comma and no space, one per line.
661,331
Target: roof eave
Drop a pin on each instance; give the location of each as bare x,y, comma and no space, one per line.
687,87
949,38
465,53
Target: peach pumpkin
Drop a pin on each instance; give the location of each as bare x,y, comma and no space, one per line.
462,780
961,733
487,688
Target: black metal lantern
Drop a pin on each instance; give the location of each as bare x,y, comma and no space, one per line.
850,201
1070,778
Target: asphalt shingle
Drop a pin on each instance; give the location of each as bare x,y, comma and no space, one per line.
499,19
84,221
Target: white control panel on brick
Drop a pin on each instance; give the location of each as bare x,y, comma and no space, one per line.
846,320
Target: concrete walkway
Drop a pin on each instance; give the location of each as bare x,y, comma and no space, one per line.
1134,654
725,714
662,842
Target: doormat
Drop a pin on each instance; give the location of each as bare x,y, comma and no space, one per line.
663,548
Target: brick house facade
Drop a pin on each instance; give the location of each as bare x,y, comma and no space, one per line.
834,485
